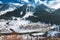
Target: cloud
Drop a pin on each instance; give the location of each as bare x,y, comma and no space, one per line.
1,2
50,3
58,0
16,4
25,0
36,1
55,4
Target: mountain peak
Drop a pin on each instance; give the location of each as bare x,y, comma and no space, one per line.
46,8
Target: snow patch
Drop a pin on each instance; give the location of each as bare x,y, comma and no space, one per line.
28,14
7,10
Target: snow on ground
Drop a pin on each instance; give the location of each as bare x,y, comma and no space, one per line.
24,26
19,22
7,10
38,34
28,14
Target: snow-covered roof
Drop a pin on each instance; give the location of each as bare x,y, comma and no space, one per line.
38,34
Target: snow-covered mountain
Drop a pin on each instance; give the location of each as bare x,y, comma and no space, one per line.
30,12
44,16
21,11
4,8
29,17
26,10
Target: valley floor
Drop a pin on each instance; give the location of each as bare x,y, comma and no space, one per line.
26,30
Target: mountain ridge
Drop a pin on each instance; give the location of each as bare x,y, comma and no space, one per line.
39,15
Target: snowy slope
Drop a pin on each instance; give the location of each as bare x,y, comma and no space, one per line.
4,8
